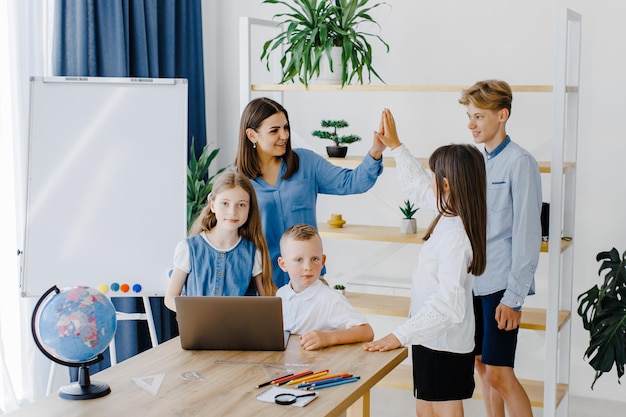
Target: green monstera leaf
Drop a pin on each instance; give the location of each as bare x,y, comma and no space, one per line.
603,312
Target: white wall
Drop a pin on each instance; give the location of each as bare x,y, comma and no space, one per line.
458,42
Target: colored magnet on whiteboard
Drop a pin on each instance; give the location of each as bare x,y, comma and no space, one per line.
115,286
103,288
125,287
137,288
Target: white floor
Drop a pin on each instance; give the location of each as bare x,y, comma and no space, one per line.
387,402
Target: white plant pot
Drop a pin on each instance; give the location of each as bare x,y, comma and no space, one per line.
408,226
326,75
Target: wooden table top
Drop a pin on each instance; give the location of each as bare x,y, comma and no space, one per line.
228,388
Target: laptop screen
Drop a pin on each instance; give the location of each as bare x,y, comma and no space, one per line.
231,323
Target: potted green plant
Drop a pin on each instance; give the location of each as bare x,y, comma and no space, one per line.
603,311
339,288
199,182
337,150
313,28
408,225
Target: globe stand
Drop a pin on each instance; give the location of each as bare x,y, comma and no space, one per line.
84,389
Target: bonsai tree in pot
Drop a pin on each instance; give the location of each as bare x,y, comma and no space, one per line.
310,31
603,311
338,150
408,225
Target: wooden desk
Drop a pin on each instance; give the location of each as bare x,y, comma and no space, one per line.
228,389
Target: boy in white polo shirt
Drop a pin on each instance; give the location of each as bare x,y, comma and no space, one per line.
321,316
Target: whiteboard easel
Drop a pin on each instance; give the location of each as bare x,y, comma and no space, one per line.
107,163
147,316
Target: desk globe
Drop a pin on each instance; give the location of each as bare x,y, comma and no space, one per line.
73,327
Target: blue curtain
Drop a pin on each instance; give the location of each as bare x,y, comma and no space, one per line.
135,38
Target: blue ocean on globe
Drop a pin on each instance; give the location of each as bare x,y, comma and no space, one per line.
77,324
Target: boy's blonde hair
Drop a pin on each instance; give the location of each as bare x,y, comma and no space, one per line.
489,95
299,232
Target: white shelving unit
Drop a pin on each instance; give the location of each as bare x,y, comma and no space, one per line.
555,320
562,207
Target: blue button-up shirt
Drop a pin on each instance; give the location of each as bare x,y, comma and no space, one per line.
513,224
293,201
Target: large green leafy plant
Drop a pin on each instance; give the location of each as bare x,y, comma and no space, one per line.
199,182
603,311
310,31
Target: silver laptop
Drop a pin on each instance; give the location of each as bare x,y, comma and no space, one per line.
231,323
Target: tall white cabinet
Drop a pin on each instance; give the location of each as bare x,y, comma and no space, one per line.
555,319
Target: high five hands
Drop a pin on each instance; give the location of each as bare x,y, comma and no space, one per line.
387,133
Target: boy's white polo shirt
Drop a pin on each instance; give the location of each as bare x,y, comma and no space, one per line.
317,308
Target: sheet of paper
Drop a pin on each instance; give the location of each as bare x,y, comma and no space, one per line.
269,394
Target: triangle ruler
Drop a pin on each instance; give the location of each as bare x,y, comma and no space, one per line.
150,383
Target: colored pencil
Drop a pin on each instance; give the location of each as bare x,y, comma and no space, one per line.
332,384
331,376
324,381
270,382
282,381
306,378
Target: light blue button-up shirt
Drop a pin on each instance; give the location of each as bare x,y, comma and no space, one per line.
293,201
513,224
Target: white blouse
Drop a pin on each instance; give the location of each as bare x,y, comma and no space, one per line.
442,312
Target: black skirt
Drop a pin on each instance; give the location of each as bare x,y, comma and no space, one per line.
442,376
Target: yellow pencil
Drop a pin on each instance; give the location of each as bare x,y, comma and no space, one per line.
306,378
325,377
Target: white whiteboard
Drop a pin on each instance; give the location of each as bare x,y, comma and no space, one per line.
106,185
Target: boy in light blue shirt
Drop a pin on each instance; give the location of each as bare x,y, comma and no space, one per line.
513,245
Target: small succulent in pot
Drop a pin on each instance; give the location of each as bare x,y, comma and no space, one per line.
409,209
408,225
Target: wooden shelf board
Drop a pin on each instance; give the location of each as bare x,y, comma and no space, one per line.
354,161
546,167
388,162
384,305
373,233
535,318
398,306
435,88
402,378
390,234
565,243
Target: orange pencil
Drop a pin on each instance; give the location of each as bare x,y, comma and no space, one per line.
322,378
307,377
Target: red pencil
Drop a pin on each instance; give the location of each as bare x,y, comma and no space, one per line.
319,374
281,381
269,382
